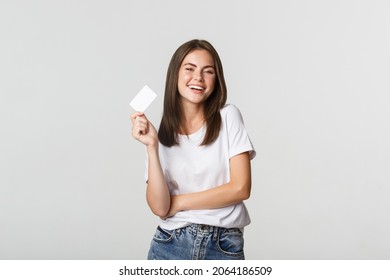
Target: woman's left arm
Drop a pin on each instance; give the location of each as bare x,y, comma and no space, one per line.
233,192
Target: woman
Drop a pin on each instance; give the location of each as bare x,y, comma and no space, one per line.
198,164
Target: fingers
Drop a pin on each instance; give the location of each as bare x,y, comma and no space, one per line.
140,127
140,124
134,116
143,130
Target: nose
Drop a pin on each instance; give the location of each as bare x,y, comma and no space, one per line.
198,76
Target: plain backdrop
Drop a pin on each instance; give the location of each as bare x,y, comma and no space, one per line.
311,79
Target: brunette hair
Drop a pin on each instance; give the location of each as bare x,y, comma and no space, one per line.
171,121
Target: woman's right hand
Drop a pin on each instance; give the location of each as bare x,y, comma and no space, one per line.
143,130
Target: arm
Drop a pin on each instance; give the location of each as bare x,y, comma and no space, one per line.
157,192
233,192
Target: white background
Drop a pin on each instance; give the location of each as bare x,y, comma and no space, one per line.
311,79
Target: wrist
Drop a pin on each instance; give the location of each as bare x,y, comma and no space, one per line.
177,201
152,147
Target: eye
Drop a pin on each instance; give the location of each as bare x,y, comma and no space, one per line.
211,72
189,69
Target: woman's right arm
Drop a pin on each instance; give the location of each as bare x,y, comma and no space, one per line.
157,192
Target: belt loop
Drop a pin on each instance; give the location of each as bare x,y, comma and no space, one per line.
215,233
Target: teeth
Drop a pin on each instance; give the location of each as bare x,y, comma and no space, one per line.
196,87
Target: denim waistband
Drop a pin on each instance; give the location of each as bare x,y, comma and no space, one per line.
200,229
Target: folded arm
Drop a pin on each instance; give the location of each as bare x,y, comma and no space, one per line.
233,192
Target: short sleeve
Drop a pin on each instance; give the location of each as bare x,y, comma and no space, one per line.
239,141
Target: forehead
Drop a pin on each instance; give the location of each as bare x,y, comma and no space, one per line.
199,57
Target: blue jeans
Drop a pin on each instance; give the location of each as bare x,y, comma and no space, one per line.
197,242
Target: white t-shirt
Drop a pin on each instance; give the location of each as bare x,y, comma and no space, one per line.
189,167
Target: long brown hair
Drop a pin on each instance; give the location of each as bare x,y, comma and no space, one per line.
172,117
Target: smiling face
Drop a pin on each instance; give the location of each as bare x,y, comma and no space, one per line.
197,76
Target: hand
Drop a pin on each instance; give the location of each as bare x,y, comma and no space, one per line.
143,130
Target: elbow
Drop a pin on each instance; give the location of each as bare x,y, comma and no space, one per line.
159,209
244,195
159,202
160,214
244,191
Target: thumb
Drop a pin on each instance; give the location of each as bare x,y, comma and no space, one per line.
134,116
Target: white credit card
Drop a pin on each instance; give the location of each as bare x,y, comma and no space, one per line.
143,99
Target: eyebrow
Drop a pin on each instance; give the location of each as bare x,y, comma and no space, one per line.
194,65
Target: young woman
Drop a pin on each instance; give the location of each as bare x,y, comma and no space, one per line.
198,164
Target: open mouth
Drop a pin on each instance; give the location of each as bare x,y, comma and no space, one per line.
195,88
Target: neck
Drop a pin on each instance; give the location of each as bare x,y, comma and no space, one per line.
193,117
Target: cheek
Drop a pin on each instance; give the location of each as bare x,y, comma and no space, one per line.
182,82
183,77
211,82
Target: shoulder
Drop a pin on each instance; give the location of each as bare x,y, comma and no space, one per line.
230,112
